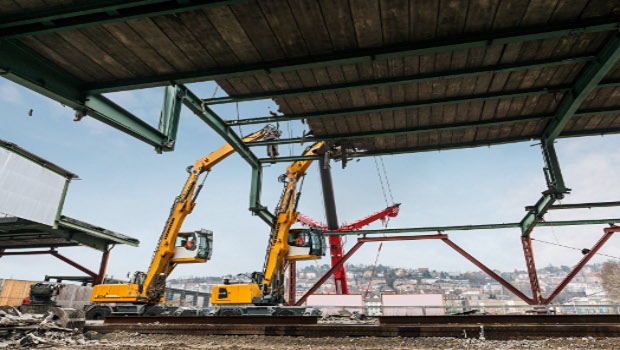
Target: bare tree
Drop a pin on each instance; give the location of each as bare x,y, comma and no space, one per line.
610,274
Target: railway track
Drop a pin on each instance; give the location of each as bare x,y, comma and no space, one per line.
488,327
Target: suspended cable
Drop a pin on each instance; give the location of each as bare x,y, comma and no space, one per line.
387,180
372,274
381,182
579,249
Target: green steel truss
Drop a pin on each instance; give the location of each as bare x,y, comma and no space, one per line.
23,66
177,95
588,80
359,56
89,13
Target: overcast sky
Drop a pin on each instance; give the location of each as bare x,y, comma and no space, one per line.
126,187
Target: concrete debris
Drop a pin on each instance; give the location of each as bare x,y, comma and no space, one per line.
36,330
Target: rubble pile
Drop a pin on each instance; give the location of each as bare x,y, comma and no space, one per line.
36,330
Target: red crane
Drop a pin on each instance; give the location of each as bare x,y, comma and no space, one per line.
335,242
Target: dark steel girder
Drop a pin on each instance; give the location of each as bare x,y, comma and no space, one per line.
25,67
419,130
404,105
431,148
89,13
416,78
365,55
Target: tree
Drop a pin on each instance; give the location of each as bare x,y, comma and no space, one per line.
610,274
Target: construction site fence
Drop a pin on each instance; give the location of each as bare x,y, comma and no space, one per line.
565,309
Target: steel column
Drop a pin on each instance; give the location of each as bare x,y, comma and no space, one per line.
102,267
363,55
255,194
537,296
335,242
170,115
489,272
609,231
329,273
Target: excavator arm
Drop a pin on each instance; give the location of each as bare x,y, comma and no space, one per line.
149,287
267,287
275,261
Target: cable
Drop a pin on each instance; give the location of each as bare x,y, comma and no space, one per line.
387,180
381,182
565,246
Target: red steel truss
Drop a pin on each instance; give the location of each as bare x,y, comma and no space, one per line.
537,298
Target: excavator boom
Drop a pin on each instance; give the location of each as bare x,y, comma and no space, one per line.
174,247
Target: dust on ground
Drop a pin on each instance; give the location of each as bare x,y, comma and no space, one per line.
136,341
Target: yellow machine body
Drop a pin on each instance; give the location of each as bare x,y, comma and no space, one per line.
235,293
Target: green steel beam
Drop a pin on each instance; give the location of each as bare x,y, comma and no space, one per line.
255,194
108,112
432,148
170,115
191,101
25,67
403,105
468,227
580,206
587,81
594,72
417,78
90,13
409,131
359,56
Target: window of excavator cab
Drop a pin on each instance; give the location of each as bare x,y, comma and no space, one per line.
301,239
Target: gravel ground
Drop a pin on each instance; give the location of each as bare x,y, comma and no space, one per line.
142,342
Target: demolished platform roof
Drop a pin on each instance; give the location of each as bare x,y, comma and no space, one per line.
457,73
18,233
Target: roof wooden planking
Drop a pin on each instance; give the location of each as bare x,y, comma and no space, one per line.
116,54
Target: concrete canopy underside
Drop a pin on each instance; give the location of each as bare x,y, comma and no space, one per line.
411,76
17,233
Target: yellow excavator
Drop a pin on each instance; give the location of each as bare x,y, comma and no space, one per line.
265,293
144,293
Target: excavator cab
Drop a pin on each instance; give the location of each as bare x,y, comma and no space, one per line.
305,244
193,247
